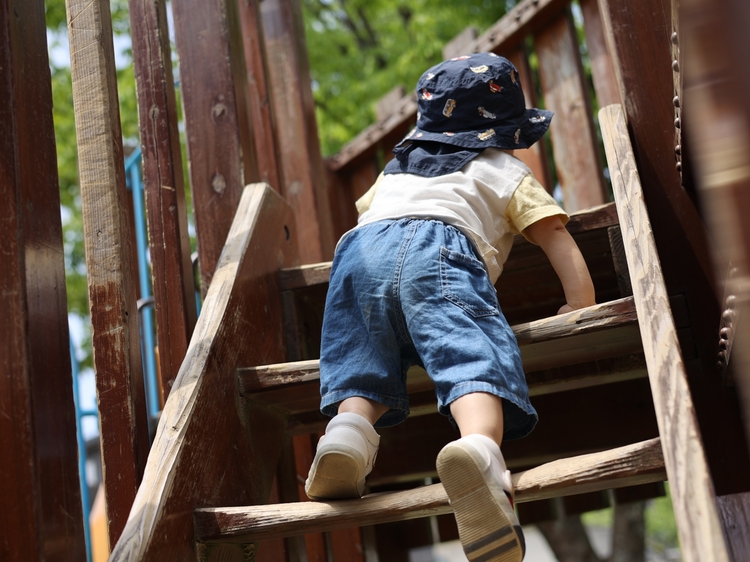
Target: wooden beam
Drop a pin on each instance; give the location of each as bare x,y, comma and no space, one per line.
692,489
212,448
42,517
110,262
169,240
213,118
634,464
576,150
602,66
303,178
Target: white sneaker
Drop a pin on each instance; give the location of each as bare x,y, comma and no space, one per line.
343,459
473,473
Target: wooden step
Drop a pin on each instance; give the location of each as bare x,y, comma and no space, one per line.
634,464
603,340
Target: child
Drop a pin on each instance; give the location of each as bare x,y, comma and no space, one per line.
413,284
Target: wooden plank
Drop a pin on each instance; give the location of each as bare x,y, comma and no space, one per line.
715,83
296,128
206,449
461,44
602,67
212,123
169,240
735,516
638,463
690,481
42,516
574,143
109,258
259,98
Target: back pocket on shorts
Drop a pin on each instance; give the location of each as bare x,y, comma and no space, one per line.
466,284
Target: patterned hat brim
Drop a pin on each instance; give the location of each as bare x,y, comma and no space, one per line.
509,134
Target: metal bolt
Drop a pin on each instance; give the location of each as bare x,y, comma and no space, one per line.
725,333
730,302
676,101
677,149
677,123
675,66
674,38
679,166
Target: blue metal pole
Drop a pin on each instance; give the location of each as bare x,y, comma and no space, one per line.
133,174
85,498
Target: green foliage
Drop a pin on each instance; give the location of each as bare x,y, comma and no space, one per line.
361,49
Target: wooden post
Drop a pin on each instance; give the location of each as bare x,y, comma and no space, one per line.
602,66
41,517
640,32
579,169
213,118
109,258
693,495
259,97
169,242
303,174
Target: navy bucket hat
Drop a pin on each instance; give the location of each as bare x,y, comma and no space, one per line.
468,103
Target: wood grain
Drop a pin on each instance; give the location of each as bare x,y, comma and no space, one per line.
169,240
634,464
212,448
42,516
212,123
700,531
110,262
576,151
303,179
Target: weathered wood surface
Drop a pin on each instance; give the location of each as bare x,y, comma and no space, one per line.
576,150
692,490
634,464
602,67
211,448
734,511
41,517
169,240
505,35
295,126
212,124
259,101
110,258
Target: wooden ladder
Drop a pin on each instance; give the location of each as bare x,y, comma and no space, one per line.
204,455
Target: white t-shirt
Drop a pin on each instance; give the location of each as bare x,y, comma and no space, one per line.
478,200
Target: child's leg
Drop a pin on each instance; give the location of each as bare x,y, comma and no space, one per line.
473,473
346,453
479,412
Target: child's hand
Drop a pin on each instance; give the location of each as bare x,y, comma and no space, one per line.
568,308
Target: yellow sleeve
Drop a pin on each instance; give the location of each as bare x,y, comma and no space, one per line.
530,203
364,202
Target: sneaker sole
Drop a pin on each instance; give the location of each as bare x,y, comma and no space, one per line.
482,512
334,476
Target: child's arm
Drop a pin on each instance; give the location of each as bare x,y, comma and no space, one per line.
563,253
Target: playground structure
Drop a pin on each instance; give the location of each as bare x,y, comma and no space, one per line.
659,367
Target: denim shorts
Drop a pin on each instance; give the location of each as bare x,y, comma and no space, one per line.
413,292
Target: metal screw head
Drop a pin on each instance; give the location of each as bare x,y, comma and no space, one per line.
676,101
677,149
674,38
679,166
675,66
677,123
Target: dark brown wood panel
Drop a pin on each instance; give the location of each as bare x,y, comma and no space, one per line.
42,517
169,241
575,148
212,123
640,31
303,177
110,258
259,101
211,447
